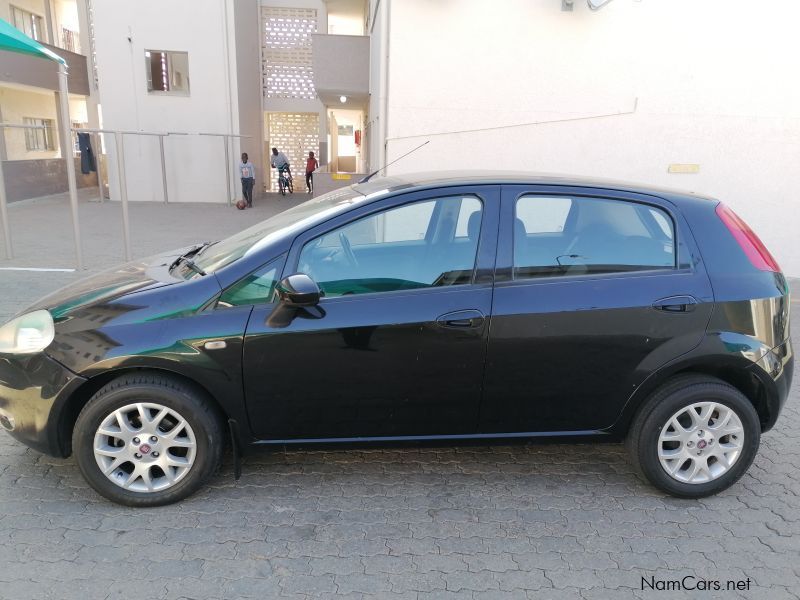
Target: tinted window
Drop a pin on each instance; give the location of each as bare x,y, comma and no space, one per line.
412,246
469,206
256,288
544,217
573,236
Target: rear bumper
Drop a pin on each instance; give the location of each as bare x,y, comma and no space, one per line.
775,370
31,390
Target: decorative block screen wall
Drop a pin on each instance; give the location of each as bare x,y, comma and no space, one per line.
287,70
294,134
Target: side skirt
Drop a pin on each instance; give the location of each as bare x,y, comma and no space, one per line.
593,433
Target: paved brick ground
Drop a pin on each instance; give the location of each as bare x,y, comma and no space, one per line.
538,521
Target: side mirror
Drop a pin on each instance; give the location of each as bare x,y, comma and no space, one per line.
298,290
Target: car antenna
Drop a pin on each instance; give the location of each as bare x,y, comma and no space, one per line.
371,175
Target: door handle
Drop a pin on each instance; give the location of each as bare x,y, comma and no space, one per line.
461,319
676,304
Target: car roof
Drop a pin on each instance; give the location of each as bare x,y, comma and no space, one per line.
433,179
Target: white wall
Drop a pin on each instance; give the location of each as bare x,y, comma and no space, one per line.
713,83
378,78
195,165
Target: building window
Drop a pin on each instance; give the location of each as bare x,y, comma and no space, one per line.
28,23
167,72
42,138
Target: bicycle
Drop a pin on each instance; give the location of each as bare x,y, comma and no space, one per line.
285,181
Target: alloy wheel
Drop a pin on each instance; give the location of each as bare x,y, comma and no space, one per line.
145,447
701,442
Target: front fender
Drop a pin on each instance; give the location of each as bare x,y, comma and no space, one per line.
177,345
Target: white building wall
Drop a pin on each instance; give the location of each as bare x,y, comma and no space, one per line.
620,93
196,168
378,31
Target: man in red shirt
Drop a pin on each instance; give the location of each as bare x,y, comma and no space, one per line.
312,164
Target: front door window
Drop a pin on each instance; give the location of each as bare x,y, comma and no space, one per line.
424,244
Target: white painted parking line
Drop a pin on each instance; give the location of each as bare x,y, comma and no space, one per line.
38,269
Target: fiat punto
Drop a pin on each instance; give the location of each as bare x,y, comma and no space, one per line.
436,307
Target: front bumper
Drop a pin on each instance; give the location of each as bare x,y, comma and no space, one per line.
32,391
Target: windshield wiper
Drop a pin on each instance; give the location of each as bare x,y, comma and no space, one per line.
187,260
203,247
189,263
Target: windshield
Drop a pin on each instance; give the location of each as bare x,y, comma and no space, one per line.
222,253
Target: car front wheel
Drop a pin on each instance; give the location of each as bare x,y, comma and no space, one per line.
694,437
147,440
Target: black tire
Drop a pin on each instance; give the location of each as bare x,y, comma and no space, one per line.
200,415
643,436
291,186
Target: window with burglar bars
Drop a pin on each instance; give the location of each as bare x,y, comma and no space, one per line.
42,138
28,23
287,70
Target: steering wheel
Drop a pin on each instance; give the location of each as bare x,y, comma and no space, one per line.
348,250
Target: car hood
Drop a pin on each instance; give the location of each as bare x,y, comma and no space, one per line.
149,273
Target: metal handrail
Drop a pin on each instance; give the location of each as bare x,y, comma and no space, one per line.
120,152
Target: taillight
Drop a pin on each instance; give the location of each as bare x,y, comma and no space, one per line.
753,247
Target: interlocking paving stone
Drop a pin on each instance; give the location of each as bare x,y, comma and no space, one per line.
523,521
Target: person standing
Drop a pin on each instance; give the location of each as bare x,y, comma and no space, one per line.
248,174
312,164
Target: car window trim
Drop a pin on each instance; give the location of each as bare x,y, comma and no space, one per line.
409,292
596,276
507,274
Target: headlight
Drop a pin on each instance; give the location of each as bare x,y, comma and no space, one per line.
27,334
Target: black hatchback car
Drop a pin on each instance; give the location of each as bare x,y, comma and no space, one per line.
453,306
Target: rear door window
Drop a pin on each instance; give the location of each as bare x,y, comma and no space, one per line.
560,236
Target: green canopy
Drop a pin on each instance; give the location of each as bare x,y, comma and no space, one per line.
13,40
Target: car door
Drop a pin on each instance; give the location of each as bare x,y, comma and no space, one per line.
595,290
396,347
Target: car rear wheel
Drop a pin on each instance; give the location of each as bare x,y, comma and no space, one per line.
694,437
147,440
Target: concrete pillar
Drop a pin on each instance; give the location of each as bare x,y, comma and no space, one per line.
49,19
